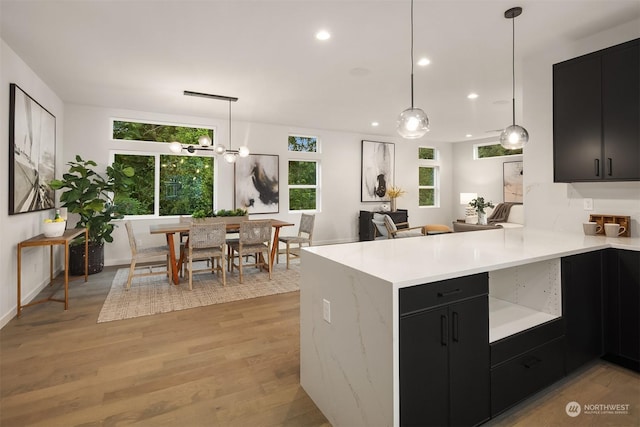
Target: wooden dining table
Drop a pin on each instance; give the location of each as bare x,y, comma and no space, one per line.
183,227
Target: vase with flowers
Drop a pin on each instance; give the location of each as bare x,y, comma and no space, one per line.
393,193
480,204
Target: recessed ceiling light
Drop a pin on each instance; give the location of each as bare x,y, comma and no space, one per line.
468,135
472,95
374,124
323,35
424,62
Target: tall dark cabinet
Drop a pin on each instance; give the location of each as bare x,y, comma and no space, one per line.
444,353
596,116
582,308
622,308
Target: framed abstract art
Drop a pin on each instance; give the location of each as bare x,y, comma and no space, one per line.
257,183
512,173
378,163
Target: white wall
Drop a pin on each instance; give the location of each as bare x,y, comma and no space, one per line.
16,228
87,133
481,176
559,206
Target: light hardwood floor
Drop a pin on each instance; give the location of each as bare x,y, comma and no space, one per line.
234,364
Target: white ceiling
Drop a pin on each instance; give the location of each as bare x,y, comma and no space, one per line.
141,55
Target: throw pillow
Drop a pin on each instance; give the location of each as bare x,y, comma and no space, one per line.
390,224
378,221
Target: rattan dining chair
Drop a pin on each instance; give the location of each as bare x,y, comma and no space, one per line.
207,242
254,239
147,254
305,236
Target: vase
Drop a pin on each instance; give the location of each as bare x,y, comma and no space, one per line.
393,204
482,218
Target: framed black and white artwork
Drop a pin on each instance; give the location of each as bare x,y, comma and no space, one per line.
32,153
257,183
378,163
512,174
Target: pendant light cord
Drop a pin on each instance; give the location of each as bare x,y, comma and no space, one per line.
513,69
412,54
229,124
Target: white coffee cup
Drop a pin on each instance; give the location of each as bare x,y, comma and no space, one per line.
614,230
591,228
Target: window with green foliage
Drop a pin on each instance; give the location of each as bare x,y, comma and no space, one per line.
425,153
428,167
185,184
307,144
158,132
493,150
303,185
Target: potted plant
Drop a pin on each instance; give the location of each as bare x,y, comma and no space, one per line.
479,204
232,214
90,195
393,193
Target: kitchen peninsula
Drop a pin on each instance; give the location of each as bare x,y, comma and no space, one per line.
482,304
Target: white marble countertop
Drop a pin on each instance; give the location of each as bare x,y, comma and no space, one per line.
416,260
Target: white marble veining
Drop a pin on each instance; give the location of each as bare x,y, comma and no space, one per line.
350,367
416,260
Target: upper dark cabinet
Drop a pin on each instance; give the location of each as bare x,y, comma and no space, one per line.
596,116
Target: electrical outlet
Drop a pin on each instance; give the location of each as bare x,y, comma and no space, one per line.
326,310
588,204
139,242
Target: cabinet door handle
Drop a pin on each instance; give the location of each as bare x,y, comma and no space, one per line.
455,323
448,293
610,163
532,362
597,165
444,338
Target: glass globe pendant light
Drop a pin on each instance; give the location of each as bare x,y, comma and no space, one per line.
413,122
513,137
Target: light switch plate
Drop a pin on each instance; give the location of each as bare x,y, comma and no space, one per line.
588,204
326,310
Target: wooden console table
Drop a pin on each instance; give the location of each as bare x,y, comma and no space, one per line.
41,240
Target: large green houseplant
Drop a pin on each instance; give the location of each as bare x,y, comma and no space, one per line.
90,195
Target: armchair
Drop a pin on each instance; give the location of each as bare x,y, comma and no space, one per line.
386,228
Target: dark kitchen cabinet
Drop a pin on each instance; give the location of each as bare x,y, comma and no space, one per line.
596,116
622,308
366,227
582,308
444,353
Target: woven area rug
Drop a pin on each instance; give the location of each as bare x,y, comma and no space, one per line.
153,294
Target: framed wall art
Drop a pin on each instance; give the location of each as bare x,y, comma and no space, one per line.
32,153
512,173
378,163
257,183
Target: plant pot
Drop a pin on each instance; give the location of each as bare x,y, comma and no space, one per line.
393,204
482,218
76,259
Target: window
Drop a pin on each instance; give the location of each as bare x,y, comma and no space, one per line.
484,151
167,184
428,168
158,132
303,185
308,144
164,184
